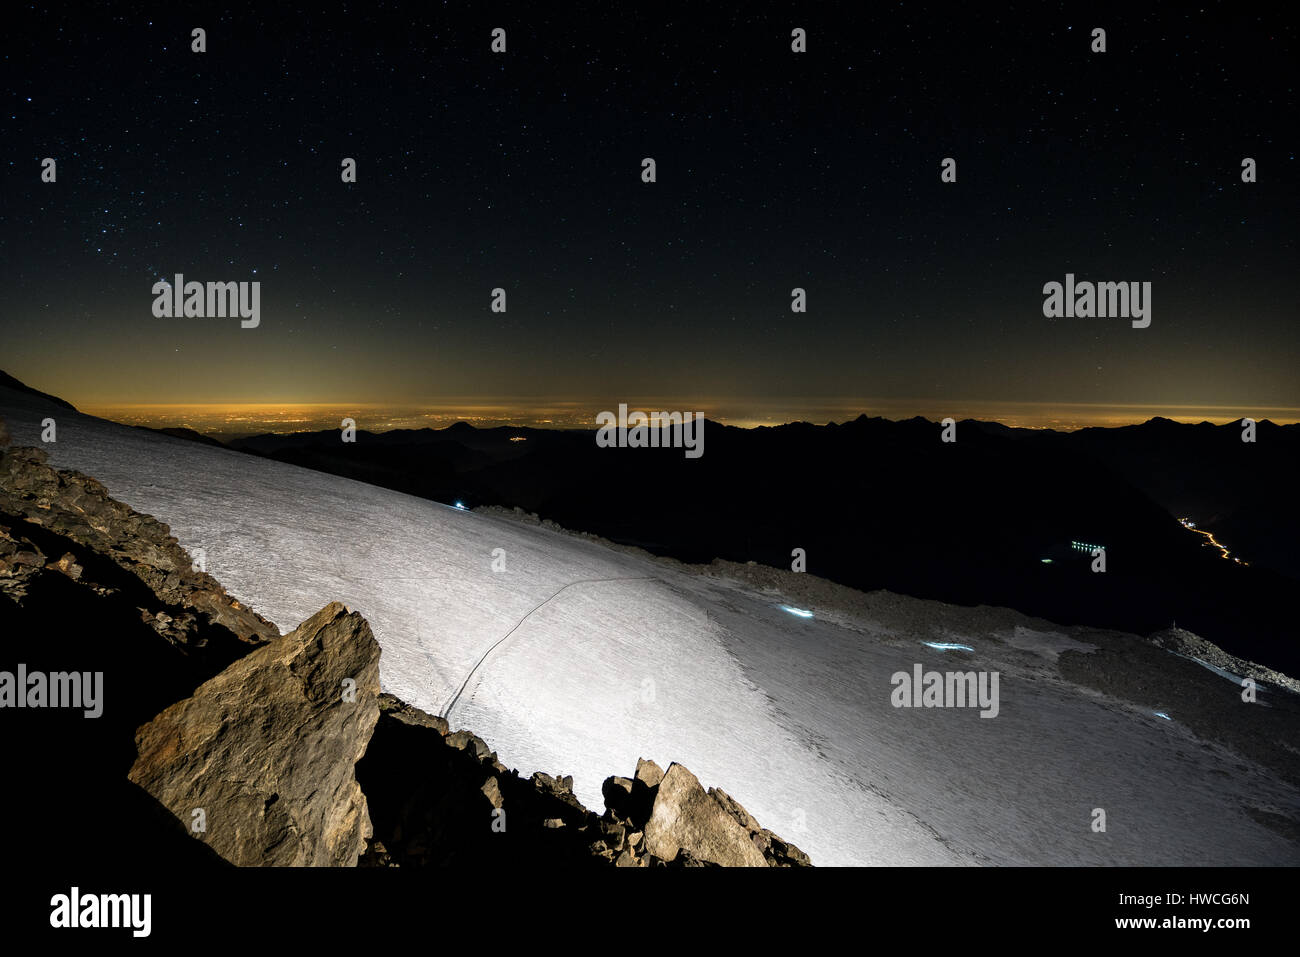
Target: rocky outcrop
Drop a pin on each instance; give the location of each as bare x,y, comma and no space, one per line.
263,754
685,817
76,598
262,742
671,819
440,798
1191,645
184,605
444,799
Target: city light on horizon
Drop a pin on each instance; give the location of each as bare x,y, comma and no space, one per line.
247,418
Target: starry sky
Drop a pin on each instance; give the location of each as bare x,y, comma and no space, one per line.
775,170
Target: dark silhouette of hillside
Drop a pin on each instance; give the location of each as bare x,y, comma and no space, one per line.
883,504
9,382
1236,490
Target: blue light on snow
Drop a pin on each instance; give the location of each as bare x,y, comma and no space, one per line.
461,506
1161,714
946,646
801,612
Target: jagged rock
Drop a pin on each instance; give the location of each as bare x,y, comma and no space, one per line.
267,748
617,793
783,853
377,856
542,779
84,612
644,783
68,565
20,562
686,818
432,802
648,773
399,710
678,815
734,808
615,834
465,741
686,859
65,504
779,853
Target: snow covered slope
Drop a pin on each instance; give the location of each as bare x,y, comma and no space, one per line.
579,658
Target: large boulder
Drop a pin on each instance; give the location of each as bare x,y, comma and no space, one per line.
686,818
267,748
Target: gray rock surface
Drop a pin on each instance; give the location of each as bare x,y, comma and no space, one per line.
268,747
686,817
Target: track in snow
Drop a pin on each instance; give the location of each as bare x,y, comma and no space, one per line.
446,711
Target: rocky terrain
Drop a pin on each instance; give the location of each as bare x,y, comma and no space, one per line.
459,804
222,741
189,609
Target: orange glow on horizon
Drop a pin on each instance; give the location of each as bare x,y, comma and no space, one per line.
254,417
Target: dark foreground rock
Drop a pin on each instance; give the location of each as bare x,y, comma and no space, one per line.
88,589
445,799
65,514
263,754
441,799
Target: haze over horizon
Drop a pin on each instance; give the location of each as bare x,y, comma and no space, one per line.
253,418
229,420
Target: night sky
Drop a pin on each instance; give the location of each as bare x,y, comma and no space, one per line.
522,170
